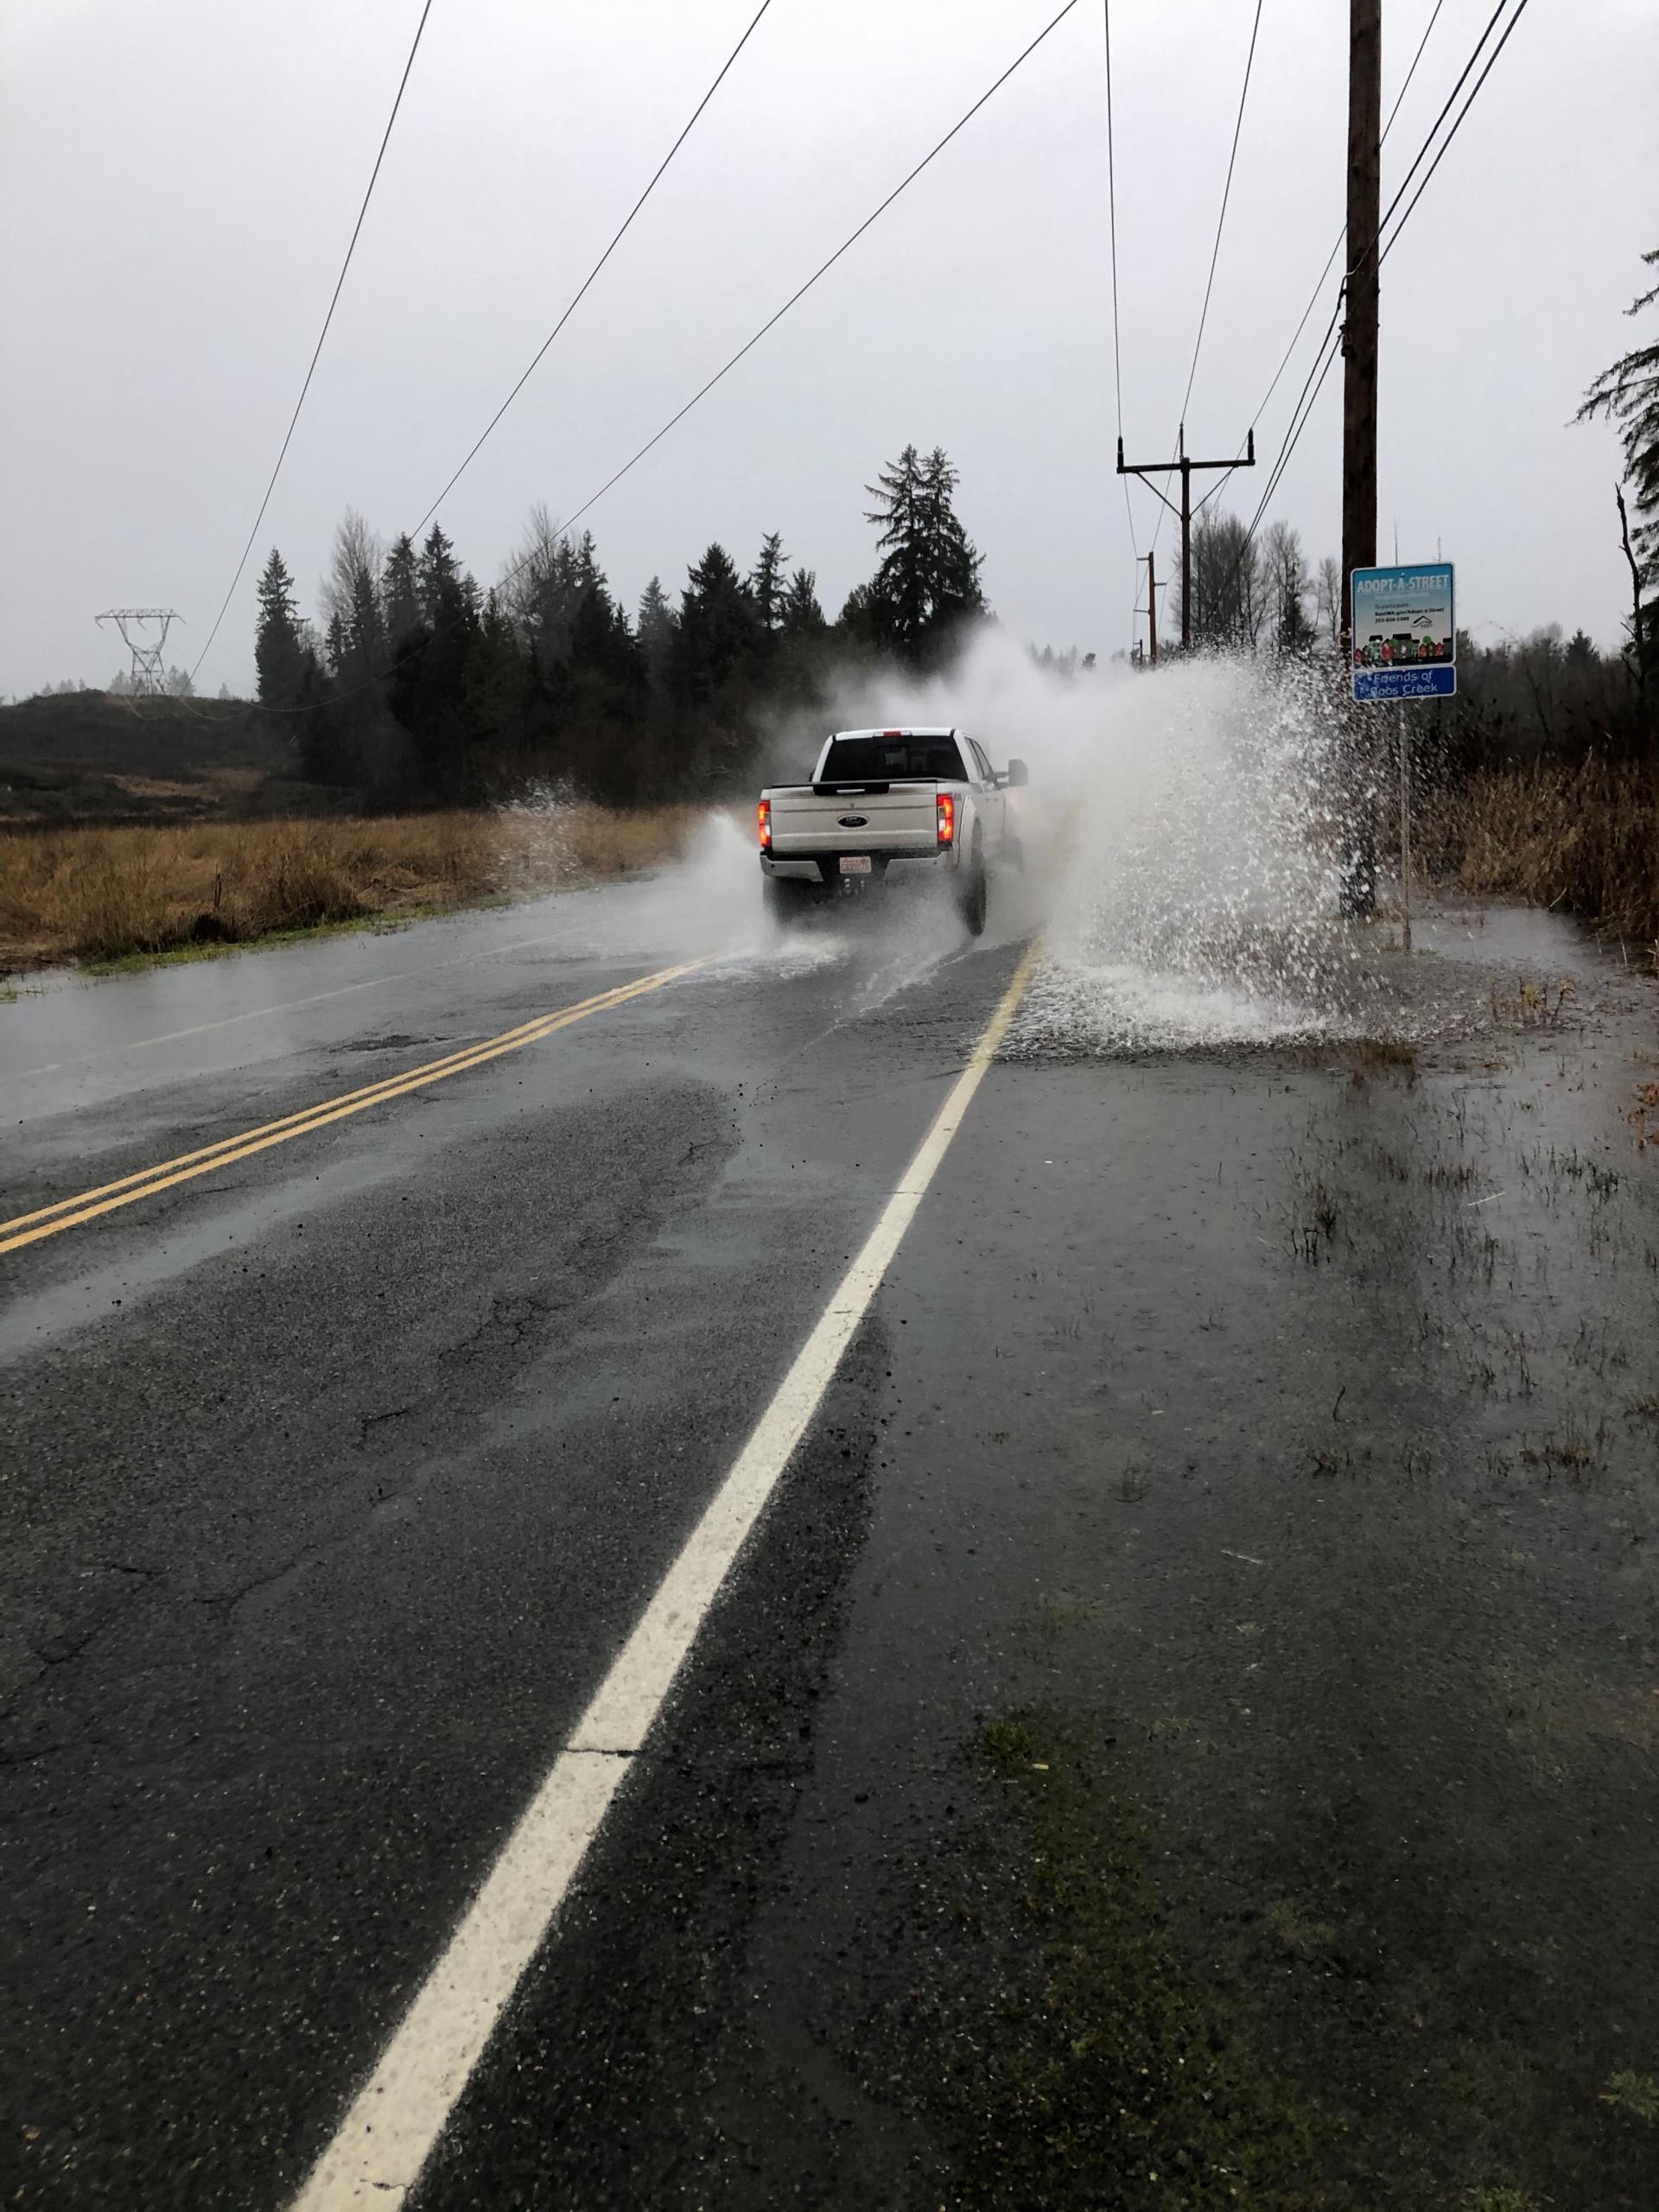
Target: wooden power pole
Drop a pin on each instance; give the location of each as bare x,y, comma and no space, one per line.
1152,608
1359,410
1359,326
1187,468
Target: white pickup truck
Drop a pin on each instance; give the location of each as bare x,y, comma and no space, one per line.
881,802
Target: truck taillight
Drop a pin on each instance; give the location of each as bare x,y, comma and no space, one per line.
763,822
947,818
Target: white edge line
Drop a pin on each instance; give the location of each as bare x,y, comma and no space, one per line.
379,2148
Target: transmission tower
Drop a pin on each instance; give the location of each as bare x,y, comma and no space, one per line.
149,666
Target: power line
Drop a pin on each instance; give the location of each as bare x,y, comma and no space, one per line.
576,301
1301,412
1111,205
1226,193
1215,252
1321,364
1330,351
1222,483
1318,283
1452,133
317,351
823,269
1434,126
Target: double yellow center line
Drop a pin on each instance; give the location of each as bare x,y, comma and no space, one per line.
146,1182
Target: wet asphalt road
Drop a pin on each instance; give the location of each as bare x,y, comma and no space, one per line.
1287,1421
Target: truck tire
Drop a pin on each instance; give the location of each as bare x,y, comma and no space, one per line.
787,901
973,893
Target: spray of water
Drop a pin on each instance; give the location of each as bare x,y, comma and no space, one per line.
1179,840
1178,847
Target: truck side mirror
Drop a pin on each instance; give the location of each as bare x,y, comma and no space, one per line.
1018,775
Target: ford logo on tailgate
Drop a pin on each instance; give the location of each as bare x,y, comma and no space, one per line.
855,821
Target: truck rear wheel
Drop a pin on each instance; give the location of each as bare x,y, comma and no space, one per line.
787,900
973,894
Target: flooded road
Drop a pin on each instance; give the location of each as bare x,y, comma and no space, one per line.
1183,1731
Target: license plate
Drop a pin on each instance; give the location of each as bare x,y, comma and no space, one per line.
855,863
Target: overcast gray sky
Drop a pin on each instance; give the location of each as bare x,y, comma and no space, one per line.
178,181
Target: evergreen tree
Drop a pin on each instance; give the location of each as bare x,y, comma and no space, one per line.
894,607
656,630
400,593
550,578
365,640
862,621
956,593
927,583
717,628
496,683
428,682
279,653
438,582
766,586
603,644
803,617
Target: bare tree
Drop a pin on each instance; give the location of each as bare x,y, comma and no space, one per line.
1227,584
1285,588
1327,601
350,598
545,583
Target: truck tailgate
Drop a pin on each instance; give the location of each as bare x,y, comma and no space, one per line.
902,818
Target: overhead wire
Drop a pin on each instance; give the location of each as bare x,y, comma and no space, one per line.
1222,481
316,351
1215,252
1318,283
1221,220
1452,133
1111,209
1301,413
577,297
747,347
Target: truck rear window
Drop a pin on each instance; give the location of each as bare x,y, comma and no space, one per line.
882,759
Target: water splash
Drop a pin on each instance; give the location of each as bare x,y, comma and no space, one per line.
1181,845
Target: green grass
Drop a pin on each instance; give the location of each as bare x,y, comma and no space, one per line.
1121,2083
1637,2094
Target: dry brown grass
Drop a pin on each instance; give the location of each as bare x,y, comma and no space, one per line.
1585,839
97,894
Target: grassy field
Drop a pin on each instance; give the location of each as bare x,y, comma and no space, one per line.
1585,840
104,893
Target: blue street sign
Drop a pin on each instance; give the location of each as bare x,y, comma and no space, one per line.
1404,632
1405,683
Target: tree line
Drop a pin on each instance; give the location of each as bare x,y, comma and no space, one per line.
414,683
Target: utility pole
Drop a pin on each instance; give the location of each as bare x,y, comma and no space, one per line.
1359,325
1152,608
1359,399
1187,467
148,662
